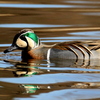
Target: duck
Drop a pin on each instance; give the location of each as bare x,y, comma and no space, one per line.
29,43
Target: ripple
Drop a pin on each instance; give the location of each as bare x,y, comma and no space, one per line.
62,39
42,6
68,94
21,25
35,6
86,2
87,33
5,45
93,14
66,69
54,78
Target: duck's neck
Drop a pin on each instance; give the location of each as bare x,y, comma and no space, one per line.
39,52
35,53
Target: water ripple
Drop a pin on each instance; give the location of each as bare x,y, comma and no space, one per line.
62,39
4,45
93,14
21,25
43,6
49,79
86,2
87,33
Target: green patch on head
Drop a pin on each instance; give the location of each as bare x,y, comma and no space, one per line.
33,36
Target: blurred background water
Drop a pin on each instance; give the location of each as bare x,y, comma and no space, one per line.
53,21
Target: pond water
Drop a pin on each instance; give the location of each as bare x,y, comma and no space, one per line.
53,21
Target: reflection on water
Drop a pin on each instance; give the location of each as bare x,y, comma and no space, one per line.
4,45
41,76
84,2
39,67
34,6
87,33
93,14
62,39
30,25
55,21
43,6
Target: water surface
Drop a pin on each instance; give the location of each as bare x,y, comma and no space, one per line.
53,21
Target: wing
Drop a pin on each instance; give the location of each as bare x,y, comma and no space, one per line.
82,46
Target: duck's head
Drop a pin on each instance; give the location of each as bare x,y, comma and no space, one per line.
26,39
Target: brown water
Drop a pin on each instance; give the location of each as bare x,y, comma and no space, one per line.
53,21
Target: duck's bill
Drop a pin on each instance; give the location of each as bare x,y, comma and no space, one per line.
11,48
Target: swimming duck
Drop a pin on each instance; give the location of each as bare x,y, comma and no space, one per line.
27,41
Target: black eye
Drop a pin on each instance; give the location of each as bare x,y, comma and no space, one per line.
22,37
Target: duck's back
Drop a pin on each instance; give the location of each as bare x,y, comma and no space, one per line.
75,50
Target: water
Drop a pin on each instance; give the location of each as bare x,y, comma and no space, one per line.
42,6
30,25
83,2
53,21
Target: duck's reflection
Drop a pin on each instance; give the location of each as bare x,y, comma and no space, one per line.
34,67
29,68
29,88
79,63
18,89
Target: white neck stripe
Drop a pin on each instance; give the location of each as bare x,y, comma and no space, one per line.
48,54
